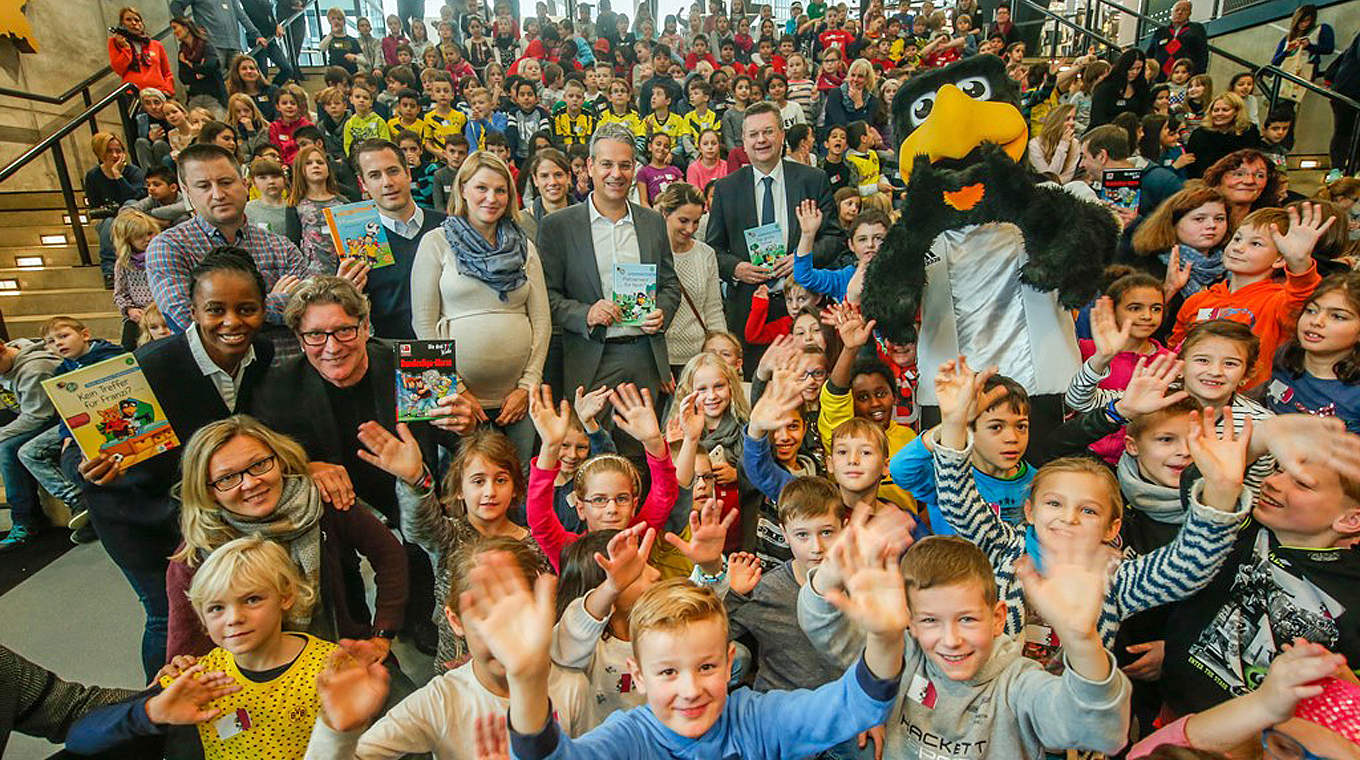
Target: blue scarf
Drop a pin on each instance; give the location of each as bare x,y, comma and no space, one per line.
1205,269
501,267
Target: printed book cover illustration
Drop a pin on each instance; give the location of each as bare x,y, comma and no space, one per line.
1121,188
358,234
635,291
764,244
425,374
110,409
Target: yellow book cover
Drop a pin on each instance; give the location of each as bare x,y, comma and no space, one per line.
110,409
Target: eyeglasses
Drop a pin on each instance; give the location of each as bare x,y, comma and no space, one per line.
815,374
1244,174
622,500
342,335
1280,746
709,478
232,480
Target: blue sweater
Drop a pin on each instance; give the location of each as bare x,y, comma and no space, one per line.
100,350
775,724
913,468
831,282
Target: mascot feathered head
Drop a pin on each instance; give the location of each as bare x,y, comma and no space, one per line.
948,114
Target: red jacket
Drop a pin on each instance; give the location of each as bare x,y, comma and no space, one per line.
281,136
156,73
760,332
693,59
1270,308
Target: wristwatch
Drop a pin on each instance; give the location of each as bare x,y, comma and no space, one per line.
384,633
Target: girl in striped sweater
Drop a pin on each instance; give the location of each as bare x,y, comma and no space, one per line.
1076,502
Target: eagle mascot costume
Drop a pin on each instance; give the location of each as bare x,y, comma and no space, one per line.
989,259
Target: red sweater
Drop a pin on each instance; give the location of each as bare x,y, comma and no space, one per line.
281,136
760,332
1269,307
155,74
547,530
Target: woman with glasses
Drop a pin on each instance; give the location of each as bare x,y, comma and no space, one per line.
199,376
1247,182
477,280
242,478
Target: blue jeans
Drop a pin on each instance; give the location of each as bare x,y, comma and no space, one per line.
42,456
20,489
107,255
274,51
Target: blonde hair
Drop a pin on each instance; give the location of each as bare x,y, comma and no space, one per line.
870,78
240,99
1243,119
672,605
327,94
99,143
1054,126
1086,466
740,406
861,427
325,290
948,561
605,463
152,311
200,519
483,159
247,564
128,226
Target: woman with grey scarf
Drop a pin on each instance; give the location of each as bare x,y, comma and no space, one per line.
477,280
242,478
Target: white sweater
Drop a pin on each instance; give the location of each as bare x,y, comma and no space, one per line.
500,345
697,270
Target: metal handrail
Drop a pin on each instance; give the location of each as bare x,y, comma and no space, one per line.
53,143
1071,24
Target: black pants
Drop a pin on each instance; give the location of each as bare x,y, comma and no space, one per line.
1343,124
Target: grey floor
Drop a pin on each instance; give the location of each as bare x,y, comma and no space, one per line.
79,618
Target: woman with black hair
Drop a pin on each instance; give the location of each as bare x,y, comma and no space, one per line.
1302,48
1123,89
200,68
201,375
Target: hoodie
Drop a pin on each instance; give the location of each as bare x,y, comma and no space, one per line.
33,365
1011,709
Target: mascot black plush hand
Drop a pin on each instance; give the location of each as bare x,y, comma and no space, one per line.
988,258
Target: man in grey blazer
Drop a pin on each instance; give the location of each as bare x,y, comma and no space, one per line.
579,246
763,192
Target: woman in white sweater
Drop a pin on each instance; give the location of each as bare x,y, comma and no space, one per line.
696,266
1055,149
478,281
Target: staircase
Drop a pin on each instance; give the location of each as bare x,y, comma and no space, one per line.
41,275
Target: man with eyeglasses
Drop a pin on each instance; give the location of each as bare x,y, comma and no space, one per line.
343,379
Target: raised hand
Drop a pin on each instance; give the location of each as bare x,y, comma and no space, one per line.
1301,442
780,348
628,552
959,388
635,415
708,529
877,599
1307,223
551,421
399,456
854,331
589,405
1176,275
185,701
743,572
784,394
352,690
1110,338
1147,388
514,621
1292,675
809,217
1221,455
1070,591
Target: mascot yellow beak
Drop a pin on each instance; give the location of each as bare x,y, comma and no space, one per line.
957,124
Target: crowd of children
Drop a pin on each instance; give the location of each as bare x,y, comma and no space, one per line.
797,560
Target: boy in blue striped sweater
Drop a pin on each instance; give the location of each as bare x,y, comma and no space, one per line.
1076,503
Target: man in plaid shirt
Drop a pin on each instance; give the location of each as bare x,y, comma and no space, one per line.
211,177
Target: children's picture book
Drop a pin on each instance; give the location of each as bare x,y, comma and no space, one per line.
764,244
1121,188
358,233
110,409
634,292
425,374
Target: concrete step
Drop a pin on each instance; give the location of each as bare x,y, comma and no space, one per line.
37,199
55,301
38,217
30,280
45,234
35,256
103,324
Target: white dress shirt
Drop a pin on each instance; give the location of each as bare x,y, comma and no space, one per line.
615,243
225,382
407,229
781,197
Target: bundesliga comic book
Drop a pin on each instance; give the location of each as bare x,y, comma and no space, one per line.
425,374
1122,188
358,234
110,409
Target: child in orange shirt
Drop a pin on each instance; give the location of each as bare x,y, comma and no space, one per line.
1267,239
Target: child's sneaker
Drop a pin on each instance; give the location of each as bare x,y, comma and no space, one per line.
84,534
79,519
19,535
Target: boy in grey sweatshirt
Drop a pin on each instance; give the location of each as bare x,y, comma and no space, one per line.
24,364
966,690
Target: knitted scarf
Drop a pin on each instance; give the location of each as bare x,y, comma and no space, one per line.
1158,502
294,523
728,434
1205,269
501,266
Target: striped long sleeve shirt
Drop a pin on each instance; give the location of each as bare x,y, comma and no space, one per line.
1167,575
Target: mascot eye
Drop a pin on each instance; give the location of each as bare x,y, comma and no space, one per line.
977,88
921,109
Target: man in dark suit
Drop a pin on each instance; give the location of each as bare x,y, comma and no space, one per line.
342,380
1182,38
589,239
764,192
383,173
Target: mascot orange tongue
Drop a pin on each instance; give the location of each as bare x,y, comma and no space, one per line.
957,124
